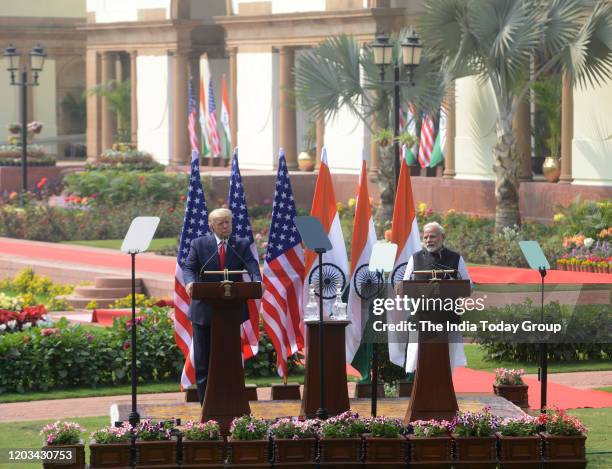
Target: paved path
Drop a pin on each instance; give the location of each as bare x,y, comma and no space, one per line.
580,379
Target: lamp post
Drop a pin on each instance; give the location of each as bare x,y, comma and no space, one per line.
411,49
37,61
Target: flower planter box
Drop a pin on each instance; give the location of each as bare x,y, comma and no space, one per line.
156,454
517,394
430,451
385,452
340,451
251,453
78,462
295,454
564,451
115,455
208,454
520,451
475,452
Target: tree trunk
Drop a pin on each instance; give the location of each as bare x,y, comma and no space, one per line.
507,170
386,186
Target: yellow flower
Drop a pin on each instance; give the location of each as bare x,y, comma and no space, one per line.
450,211
339,207
422,207
352,202
558,217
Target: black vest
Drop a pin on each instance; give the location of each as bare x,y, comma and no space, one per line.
444,259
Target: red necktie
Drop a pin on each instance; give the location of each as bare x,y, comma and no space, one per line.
222,255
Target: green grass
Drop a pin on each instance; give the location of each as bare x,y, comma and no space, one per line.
26,435
156,243
605,388
476,358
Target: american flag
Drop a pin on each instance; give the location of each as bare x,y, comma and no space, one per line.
195,224
191,125
241,227
213,133
427,141
283,275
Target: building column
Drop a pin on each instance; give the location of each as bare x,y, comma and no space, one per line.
451,133
134,96
92,78
521,126
108,119
567,130
180,137
194,77
287,120
233,77
320,140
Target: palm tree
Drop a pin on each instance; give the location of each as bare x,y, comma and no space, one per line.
509,44
117,93
340,73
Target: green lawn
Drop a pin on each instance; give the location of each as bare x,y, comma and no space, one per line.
26,435
477,360
607,389
156,243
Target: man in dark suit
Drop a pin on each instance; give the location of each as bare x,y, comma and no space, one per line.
216,251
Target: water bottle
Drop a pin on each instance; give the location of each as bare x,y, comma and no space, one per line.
339,308
311,312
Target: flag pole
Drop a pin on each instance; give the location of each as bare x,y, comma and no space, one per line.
321,411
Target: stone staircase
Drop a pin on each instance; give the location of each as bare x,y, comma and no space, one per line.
105,291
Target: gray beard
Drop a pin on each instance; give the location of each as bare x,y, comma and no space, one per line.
434,249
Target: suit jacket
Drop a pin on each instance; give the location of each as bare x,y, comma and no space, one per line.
204,255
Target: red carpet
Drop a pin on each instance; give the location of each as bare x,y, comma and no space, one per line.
105,317
564,397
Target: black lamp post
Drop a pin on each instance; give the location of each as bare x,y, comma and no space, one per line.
37,61
410,59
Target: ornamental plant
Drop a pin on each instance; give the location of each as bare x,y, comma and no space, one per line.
345,425
248,427
430,428
110,435
198,431
62,433
149,431
519,426
511,377
557,422
295,430
482,423
384,427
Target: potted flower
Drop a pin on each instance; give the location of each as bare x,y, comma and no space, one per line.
564,439
384,442
248,443
110,447
294,442
474,438
519,442
509,384
155,444
430,443
35,127
65,437
14,128
340,439
203,445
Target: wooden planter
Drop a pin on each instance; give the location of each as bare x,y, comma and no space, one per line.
520,451
475,452
295,454
385,452
251,453
208,454
430,451
79,460
517,394
336,451
114,455
156,454
564,451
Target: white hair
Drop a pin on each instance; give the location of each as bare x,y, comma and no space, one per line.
436,225
219,213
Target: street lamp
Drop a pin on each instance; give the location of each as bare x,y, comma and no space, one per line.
410,58
37,61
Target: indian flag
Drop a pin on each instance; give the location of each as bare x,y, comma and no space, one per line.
364,237
225,117
202,118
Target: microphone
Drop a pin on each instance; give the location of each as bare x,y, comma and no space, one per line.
241,258
206,263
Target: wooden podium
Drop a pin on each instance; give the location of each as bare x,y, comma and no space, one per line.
225,396
336,390
433,394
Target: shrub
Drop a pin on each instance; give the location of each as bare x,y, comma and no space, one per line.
62,433
519,426
557,422
289,429
209,430
430,428
110,435
345,425
248,427
482,423
142,301
149,431
384,427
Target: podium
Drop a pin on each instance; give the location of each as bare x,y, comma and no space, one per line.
433,394
336,390
225,396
